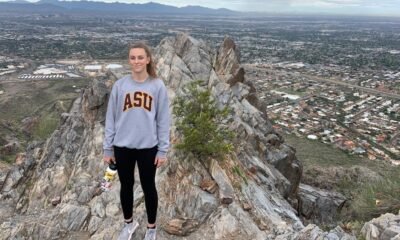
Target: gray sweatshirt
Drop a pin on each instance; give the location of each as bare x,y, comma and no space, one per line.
137,116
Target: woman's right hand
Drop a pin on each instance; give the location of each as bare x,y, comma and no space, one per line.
108,159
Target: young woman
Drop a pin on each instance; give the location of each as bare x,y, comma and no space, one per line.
137,130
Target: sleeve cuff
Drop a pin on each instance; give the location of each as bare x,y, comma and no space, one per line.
161,154
108,153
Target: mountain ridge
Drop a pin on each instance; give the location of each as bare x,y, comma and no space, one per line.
97,6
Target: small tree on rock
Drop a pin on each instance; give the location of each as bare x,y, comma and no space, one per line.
200,120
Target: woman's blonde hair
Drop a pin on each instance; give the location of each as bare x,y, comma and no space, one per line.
151,67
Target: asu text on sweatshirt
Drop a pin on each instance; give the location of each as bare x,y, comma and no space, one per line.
137,116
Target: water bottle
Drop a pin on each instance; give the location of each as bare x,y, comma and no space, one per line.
109,176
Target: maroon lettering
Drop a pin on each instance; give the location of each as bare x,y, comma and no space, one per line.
127,103
137,99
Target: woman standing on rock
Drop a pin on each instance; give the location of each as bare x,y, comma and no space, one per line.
137,130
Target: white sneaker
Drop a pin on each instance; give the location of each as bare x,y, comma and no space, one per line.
128,230
151,234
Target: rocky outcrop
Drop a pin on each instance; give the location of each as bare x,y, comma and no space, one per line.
312,232
226,191
319,206
94,102
283,158
184,60
54,193
181,227
385,227
227,65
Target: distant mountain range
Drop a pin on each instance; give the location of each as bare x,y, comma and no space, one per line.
52,6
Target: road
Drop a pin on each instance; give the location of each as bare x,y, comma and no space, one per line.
331,80
342,83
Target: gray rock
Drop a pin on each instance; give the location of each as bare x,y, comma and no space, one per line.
227,63
94,224
370,231
94,102
181,227
73,217
397,237
11,179
390,232
284,159
56,200
312,232
209,185
226,192
97,207
319,205
385,227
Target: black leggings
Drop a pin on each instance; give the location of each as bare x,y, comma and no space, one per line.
126,159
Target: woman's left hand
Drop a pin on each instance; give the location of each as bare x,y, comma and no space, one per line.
160,161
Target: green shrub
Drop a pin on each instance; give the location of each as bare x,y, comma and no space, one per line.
8,158
199,120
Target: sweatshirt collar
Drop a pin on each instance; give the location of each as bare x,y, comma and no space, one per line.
139,82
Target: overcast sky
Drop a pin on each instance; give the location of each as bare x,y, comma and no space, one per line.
374,7
369,7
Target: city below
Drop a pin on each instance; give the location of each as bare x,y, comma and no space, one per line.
333,80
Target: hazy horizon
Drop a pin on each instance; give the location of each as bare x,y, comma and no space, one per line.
341,7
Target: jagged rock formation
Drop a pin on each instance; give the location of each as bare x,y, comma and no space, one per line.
386,227
320,206
53,193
